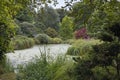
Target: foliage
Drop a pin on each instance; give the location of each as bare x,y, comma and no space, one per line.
45,39
28,29
103,23
55,41
51,32
45,68
62,13
109,51
99,60
48,17
25,15
42,39
22,42
104,16
82,53
82,47
81,13
81,33
5,36
101,73
82,70
8,9
66,28
69,41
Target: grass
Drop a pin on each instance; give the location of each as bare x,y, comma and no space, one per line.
45,68
22,42
81,47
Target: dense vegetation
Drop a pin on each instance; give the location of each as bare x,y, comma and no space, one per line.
91,25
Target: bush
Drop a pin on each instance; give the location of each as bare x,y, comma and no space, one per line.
42,39
28,29
101,73
55,41
69,41
82,47
81,34
51,32
22,42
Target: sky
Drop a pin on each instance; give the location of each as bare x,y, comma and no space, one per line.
60,3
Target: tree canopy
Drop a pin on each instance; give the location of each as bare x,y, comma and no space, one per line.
8,9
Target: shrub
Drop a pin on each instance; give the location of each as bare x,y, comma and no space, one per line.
101,73
42,39
82,47
69,41
55,41
28,29
22,42
51,32
81,33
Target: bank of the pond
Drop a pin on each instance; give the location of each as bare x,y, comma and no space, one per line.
20,42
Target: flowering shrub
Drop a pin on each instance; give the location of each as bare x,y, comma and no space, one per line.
81,33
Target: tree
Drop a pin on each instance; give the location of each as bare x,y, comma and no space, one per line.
25,15
81,13
105,61
66,28
62,13
104,15
48,17
28,29
8,9
108,53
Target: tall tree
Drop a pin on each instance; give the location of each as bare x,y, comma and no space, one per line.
62,13
81,12
48,17
8,9
66,28
25,15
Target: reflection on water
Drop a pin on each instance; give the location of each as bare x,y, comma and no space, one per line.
27,55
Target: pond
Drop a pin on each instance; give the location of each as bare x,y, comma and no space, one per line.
21,57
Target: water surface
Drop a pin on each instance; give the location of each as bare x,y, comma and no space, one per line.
27,55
